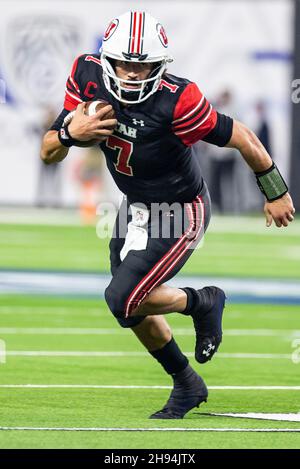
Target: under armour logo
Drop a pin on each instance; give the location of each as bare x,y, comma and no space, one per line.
209,349
136,122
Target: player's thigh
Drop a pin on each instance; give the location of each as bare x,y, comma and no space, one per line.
143,270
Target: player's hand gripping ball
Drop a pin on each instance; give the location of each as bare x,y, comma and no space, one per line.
91,108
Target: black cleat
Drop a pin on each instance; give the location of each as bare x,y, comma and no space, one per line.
188,392
208,323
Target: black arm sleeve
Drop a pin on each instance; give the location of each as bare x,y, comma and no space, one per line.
59,120
222,132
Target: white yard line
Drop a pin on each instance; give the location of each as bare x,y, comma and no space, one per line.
154,429
63,331
103,386
261,416
258,356
119,331
84,354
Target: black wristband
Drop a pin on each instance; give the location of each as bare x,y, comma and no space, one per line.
271,183
65,138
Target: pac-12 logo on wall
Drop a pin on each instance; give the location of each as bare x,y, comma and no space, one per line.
111,29
162,35
39,52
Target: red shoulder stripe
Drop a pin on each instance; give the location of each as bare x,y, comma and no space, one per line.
189,102
201,113
198,124
72,88
71,100
193,117
195,109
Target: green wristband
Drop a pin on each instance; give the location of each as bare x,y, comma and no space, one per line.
271,183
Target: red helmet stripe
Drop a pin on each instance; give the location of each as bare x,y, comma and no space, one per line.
136,33
140,35
133,32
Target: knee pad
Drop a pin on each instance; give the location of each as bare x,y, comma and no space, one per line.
130,322
116,306
114,302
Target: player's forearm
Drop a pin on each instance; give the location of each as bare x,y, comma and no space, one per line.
250,147
52,151
268,177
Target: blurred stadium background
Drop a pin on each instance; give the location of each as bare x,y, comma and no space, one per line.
54,325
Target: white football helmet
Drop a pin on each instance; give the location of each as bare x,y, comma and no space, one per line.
134,36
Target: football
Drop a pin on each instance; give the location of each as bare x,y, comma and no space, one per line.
91,108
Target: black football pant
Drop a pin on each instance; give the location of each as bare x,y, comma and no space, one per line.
173,234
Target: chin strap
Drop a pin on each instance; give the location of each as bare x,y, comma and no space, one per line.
271,183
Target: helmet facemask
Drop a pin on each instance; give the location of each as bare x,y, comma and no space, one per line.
115,85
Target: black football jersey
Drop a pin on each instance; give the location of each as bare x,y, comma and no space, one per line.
149,154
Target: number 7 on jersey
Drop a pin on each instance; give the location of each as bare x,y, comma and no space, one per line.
125,149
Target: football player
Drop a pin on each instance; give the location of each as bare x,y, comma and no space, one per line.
147,148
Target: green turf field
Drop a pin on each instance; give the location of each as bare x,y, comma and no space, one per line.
247,249
53,342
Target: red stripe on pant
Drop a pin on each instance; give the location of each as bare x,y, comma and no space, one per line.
169,260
